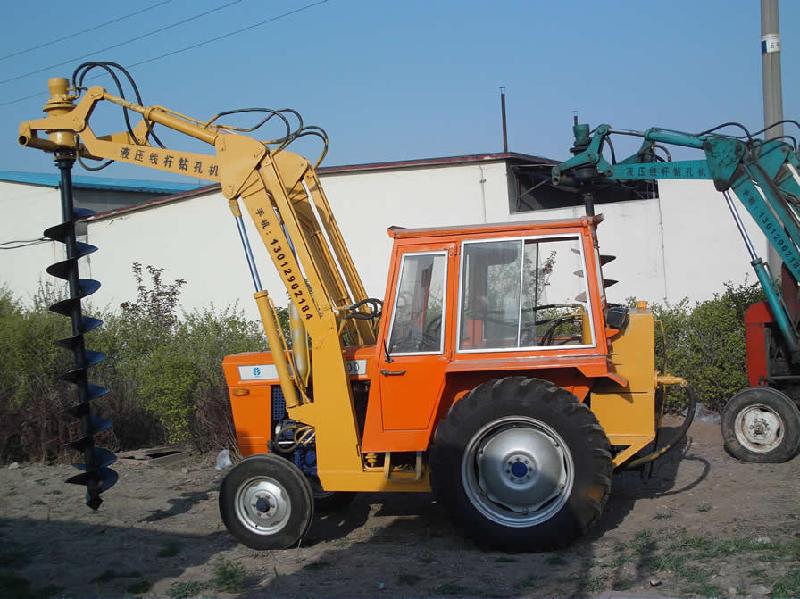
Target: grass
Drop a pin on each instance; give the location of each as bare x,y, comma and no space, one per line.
664,515
643,541
109,575
681,556
15,556
527,582
693,574
788,585
139,587
594,584
555,560
451,588
13,586
228,576
187,589
407,579
622,584
318,565
169,549
504,559
707,589
704,507
620,556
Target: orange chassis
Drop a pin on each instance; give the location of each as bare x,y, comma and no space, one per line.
615,375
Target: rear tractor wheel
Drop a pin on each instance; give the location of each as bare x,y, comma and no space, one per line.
761,425
522,465
266,502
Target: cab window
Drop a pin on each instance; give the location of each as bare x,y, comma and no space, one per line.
523,293
419,303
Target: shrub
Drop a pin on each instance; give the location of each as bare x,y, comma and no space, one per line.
163,371
32,398
705,344
163,368
170,366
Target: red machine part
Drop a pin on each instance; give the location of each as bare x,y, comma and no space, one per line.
756,320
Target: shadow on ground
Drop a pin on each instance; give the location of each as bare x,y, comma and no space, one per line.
96,560
181,505
403,544
436,560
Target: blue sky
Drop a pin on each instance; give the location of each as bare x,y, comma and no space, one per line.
413,79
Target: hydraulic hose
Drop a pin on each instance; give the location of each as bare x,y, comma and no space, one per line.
681,433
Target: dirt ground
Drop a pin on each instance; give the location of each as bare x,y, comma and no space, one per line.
703,525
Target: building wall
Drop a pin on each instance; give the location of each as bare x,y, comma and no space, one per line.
681,245
27,210
196,239
103,200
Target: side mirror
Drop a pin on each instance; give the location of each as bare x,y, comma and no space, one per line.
616,317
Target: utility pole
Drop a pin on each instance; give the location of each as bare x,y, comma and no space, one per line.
503,111
772,93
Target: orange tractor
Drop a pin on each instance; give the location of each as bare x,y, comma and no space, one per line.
494,373
499,377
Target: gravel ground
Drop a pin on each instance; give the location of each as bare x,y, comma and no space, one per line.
703,525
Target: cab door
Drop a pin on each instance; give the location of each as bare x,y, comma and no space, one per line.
412,364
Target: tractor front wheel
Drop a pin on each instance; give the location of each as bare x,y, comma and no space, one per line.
266,502
762,425
522,465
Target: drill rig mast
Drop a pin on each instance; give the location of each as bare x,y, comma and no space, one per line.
763,175
282,194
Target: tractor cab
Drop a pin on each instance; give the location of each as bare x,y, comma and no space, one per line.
464,304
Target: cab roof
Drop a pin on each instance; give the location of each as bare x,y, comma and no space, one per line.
491,228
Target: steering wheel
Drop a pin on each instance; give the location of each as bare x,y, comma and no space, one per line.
431,328
548,337
421,340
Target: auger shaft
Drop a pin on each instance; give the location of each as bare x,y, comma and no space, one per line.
96,476
64,164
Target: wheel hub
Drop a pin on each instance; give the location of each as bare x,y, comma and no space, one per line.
262,505
758,428
517,471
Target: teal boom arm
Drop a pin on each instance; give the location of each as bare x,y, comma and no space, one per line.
762,174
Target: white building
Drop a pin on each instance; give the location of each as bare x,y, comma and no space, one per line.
31,202
682,243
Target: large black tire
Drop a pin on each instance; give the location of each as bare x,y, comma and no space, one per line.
500,423
761,425
266,503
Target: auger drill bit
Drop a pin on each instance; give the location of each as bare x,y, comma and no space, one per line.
96,476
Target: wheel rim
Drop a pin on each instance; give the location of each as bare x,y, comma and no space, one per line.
759,428
262,505
517,471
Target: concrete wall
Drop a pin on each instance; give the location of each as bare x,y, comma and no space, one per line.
682,245
196,239
25,212
103,200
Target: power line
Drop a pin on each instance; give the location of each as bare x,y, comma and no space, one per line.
23,98
81,32
125,43
227,35
21,243
192,46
